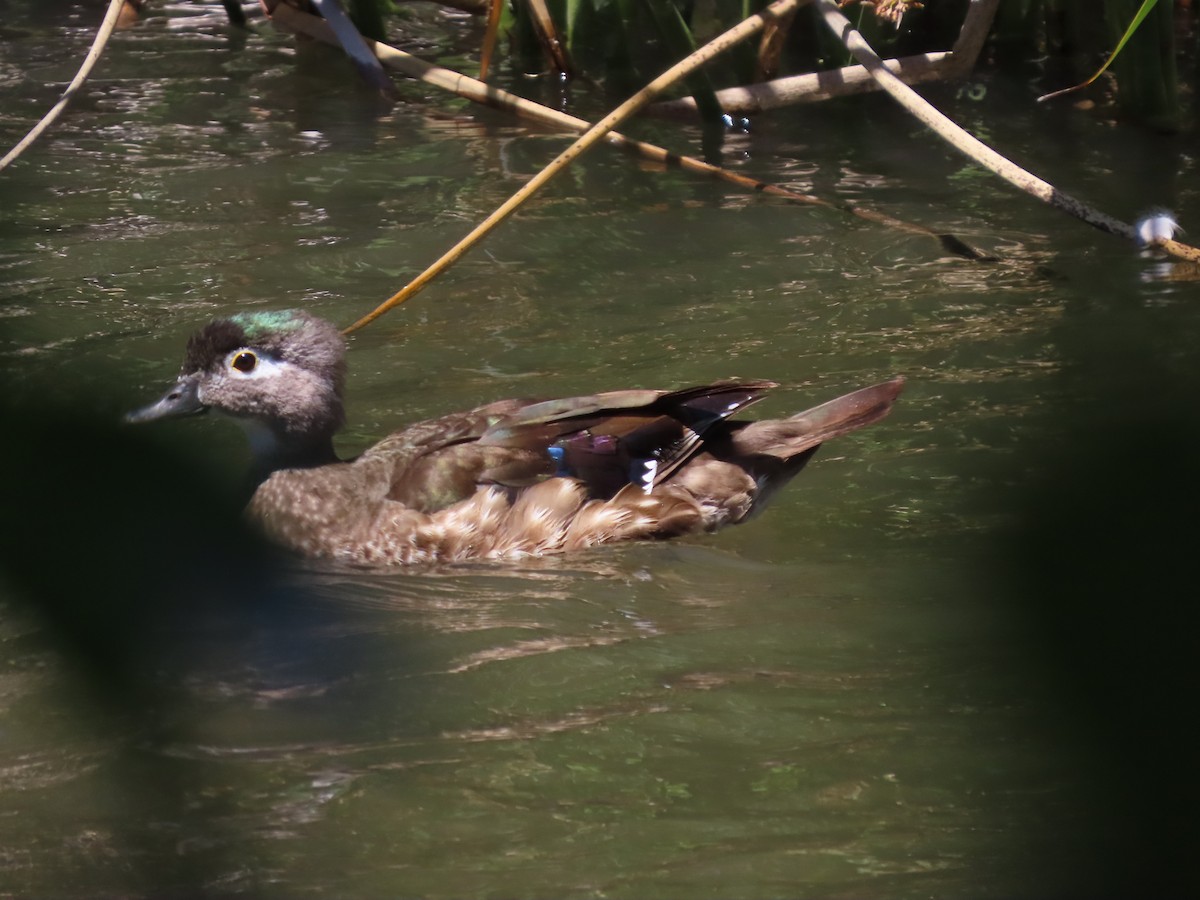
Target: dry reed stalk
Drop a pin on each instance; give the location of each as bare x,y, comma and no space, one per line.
89,62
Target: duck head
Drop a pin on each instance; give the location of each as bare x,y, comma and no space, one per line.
279,374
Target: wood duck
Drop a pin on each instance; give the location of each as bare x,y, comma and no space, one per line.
510,479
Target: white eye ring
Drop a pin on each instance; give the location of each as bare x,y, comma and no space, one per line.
247,363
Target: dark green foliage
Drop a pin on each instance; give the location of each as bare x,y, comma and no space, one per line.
368,16
678,40
1145,68
624,44
1073,40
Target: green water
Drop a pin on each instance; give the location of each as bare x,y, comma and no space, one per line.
955,659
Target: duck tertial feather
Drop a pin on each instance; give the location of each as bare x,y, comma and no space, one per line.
509,479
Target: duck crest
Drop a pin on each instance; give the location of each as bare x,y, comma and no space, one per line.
212,343
509,479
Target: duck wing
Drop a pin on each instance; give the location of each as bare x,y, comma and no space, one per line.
606,440
617,438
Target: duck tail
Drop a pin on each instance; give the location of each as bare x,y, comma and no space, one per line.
787,439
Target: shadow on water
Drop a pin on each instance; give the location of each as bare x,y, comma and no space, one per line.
1100,570
128,561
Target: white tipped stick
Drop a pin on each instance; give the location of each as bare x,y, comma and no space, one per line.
1156,227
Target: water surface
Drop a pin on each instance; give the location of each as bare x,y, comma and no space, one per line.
949,661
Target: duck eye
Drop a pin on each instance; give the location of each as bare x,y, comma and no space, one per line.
245,361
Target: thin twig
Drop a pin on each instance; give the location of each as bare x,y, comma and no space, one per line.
89,63
489,38
547,33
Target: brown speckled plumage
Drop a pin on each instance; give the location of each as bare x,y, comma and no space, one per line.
510,479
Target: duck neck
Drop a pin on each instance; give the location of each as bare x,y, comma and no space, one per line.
273,449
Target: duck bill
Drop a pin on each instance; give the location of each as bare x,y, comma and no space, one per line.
183,399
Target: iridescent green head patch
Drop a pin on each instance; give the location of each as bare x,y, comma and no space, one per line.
279,321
